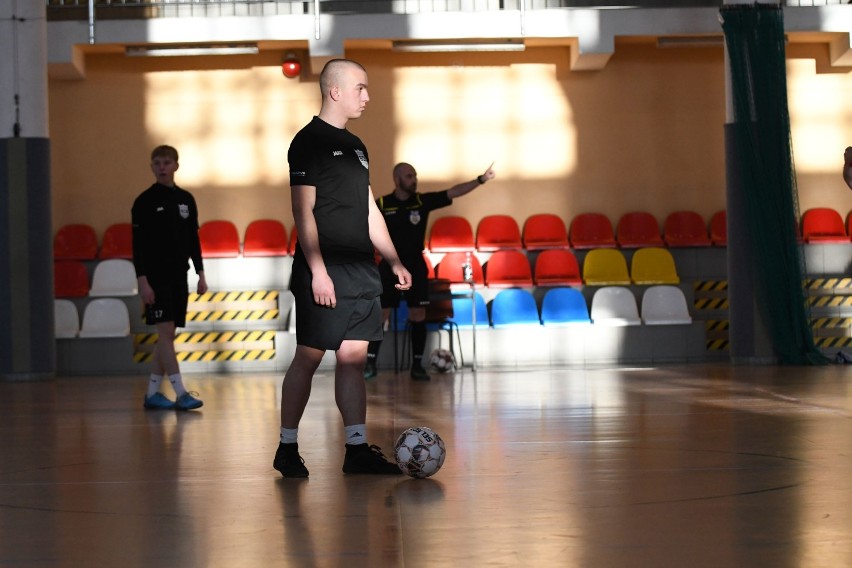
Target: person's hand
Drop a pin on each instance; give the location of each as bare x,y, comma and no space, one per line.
202,283
146,292
489,173
847,156
403,276
323,289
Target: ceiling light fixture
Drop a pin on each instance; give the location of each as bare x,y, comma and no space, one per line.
190,50
460,45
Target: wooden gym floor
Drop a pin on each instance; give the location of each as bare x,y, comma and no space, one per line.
659,466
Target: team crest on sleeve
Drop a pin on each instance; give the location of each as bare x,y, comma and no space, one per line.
414,217
183,208
362,158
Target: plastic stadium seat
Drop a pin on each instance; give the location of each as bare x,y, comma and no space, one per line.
508,268
605,267
638,229
105,317
75,242
616,306
266,237
719,229
450,268
591,230
118,242
114,277
514,307
823,225
544,231
219,239
66,319
653,265
463,311
685,229
665,305
564,306
70,279
498,232
430,268
557,267
450,234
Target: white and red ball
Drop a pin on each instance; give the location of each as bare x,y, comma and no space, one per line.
419,452
442,360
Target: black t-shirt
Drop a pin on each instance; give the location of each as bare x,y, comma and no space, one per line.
406,220
335,162
165,232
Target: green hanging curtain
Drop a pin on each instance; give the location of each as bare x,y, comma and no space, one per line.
754,36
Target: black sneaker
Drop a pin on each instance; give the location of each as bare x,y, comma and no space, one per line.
419,374
289,462
370,370
362,458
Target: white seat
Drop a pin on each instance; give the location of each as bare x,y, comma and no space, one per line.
66,319
665,305
105,317
114,277
616,306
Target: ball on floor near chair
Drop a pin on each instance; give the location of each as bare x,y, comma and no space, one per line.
442,360
419,452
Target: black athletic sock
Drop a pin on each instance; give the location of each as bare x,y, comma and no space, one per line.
418,342
373,351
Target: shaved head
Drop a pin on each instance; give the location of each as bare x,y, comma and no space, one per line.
332,73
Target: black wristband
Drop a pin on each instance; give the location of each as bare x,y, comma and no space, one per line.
480,179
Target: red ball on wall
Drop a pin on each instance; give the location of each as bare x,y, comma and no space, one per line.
291,68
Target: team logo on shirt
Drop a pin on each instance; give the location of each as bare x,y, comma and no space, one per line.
184,210
362,158
414,217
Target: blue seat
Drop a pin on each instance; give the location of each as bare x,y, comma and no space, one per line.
463,311
564,306
514,307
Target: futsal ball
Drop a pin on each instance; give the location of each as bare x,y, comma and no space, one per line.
419,452
442,360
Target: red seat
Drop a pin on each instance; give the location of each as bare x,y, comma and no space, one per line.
266,237
75,242
498,232
557,267
591,230
685,229
219,239
294,238
118,242
70,279
638,229
449,234
544,231
450,268
823,225
719,228
508,268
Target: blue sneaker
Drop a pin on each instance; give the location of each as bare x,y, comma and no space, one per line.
187,401
158,401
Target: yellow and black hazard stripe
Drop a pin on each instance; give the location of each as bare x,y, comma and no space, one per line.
711,304
247,296
832,342
828,301
717,345
213,356
830,284
831,323
717,325
210,337
232,315
710,286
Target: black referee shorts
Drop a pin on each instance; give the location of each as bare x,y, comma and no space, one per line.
357,316
416,296
171,296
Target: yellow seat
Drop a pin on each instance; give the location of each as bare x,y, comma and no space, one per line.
653,265
605,267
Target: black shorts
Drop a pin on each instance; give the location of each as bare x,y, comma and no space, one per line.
416,296
171,296
357,315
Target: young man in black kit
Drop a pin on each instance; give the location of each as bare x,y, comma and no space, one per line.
334,279
165,237
406,213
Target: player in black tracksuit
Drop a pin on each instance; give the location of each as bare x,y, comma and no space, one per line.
406,214
165,237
